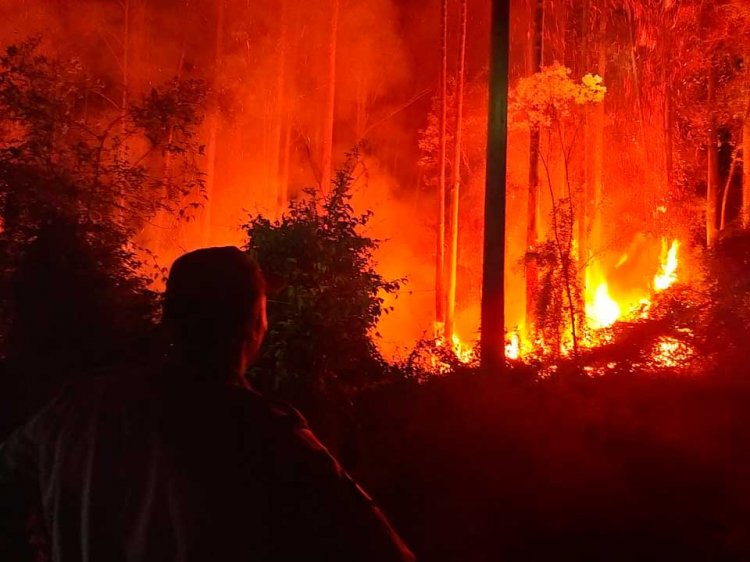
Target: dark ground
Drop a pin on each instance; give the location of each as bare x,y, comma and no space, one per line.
475,468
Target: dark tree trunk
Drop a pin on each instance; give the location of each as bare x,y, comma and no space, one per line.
493,278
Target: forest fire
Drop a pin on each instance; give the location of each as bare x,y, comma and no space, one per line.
667,275
624,137
671,352
602,311
512,261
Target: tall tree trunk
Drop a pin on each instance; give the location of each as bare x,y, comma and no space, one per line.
637,81
121,201
532,211
599,117
286,148
725,191
440,251
167,236
745,212
125,54
492,344
213,128
668,118
327,159
669,135
584,205
456,179
712,173
281,110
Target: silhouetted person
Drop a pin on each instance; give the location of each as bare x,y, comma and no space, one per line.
187,463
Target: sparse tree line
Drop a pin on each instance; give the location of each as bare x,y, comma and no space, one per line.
634,112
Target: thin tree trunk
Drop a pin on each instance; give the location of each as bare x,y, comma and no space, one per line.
120,197
281,111
745,213
532,211
327,159
440,251
585,199
669,135
167,234
725,192
456,180
361,103
125,54
668,120
286,149
746,174
637,80
492,344
712,173
213,128
599,118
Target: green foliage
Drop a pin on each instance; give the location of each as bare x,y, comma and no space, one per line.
322,323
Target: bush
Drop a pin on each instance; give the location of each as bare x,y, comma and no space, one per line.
79,178
323,322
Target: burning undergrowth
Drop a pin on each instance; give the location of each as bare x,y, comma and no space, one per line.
689,328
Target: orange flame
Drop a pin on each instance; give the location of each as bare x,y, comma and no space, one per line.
667,275
464,351
602,310
513,346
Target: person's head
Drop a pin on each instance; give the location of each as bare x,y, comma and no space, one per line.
215,309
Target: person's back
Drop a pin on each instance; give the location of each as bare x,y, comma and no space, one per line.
183,465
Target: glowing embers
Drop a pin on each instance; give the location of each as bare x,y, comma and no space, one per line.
604,305
602,310
513,346
667,275
464,351
671,352
446,353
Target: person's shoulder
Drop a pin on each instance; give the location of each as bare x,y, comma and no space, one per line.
271,411
110,389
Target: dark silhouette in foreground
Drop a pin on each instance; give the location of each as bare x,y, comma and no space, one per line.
186,462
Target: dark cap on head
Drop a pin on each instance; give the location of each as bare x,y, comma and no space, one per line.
213,291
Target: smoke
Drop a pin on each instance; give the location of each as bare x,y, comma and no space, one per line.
266,63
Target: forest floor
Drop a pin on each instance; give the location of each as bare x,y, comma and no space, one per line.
477,468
